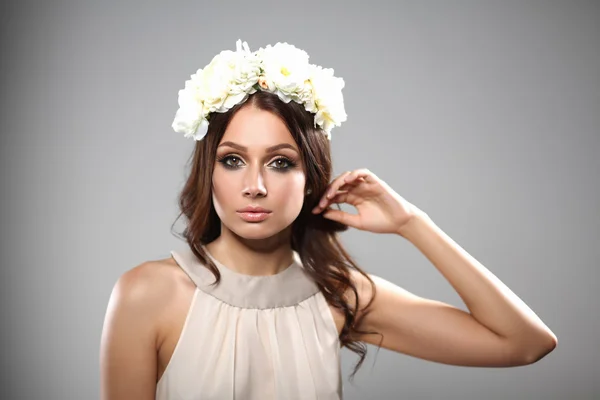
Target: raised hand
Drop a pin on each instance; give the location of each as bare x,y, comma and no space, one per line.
380,208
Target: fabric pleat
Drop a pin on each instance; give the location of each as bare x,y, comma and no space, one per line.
253,337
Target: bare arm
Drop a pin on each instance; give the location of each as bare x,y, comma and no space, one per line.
128,355
500,330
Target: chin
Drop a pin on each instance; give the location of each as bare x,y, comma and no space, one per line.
257,230
254,234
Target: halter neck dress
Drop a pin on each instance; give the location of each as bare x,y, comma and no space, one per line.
253,337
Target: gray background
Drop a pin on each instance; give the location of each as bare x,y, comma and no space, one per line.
484,114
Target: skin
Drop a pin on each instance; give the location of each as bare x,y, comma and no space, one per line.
149,302
261,178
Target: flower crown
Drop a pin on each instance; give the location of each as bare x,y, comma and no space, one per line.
282,69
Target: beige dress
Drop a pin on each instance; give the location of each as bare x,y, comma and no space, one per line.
253,337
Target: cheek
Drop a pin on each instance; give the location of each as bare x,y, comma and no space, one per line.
222,192
289,191
218,182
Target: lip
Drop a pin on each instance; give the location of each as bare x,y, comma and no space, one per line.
253,209
254,216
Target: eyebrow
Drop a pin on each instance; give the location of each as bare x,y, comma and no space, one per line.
269,149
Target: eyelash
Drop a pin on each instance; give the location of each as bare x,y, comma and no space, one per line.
223,161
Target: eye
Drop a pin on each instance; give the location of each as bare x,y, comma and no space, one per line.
224,161
234,162
287,164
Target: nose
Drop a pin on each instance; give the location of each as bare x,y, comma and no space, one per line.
254,184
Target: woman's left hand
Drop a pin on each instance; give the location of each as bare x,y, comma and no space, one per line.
380,208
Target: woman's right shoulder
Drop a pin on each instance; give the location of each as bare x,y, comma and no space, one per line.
149,285
141,300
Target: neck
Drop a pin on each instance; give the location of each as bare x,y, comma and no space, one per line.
252,256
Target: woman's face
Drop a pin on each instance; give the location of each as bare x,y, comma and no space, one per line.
248,173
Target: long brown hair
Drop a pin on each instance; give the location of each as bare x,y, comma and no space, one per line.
314,237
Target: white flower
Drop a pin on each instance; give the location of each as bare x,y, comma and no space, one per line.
232,76
229,78
226,81
327,102
285,70
190,115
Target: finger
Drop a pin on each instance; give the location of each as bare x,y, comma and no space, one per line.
351,178
352,181
342,216
366,175
329,198
333,187
347,178
342,196
342,190
324,204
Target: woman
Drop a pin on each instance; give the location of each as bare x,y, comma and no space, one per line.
260,303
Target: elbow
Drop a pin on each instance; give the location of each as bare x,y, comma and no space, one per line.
542,348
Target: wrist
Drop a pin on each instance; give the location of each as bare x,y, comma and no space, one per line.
410,227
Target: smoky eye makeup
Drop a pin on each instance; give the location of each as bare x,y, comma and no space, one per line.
279,163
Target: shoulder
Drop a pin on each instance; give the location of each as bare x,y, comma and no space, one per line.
140,302
146,281
146,290
364,288
364,292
